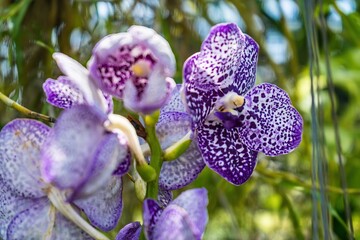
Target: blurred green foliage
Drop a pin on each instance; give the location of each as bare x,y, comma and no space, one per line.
297,196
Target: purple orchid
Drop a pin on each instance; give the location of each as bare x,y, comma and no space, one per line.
135,66
25,210
232,119
184,218
80,156
75,88
174,123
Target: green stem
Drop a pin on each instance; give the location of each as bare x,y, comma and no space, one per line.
178,148
11,103
156,154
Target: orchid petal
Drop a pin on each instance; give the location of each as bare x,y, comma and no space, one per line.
62,93
175,103
245,75
175,223
194,202
199,101
110,63
20,142
130,231
269,123
65,229
68,153
33,222
158,45
109,155
164,197
171,127
146,98
104,207
10,205
151,214
224,152
80,77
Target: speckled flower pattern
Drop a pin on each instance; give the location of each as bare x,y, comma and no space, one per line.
230,136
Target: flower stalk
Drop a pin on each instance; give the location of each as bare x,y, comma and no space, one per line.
11,103
156,153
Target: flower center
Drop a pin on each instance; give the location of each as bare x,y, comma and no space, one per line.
141,68
226,110
229,102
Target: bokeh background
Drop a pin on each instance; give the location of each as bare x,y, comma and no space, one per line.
310,48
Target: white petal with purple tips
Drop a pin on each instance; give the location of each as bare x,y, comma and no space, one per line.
224,152
20,143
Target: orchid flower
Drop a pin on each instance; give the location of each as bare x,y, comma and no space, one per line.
135,66
174,125
26,211
79,157
232,119
184,218
78,88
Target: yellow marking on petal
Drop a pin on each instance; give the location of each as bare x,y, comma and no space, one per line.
238,101
141,68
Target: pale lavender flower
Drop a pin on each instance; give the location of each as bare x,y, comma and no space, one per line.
185,218
232,119
135,66
25,210
80,156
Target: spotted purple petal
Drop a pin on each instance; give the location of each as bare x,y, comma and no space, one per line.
224,152
245,75
270,124
171,127
77,146
199,101
62,92
164,197
10,205
33,222
65,229
151,214
20,142
115,54
219,56
104,207
209,73
79,76
130,231
175,103
175,223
